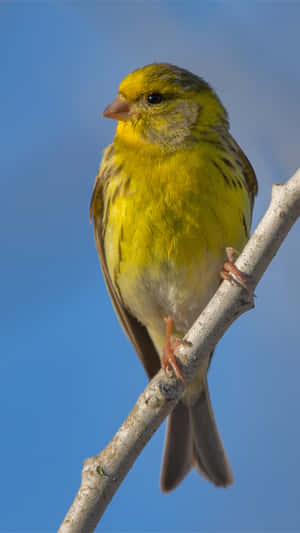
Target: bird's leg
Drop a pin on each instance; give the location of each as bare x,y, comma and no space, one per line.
168,357
230,272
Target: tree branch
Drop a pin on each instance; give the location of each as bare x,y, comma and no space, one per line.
102,474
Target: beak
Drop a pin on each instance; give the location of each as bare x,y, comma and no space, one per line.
119,109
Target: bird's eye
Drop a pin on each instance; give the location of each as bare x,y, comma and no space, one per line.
154,98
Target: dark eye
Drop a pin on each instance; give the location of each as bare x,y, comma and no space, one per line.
154,98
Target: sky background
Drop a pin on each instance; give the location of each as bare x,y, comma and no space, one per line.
68,375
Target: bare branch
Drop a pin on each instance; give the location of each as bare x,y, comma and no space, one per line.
102,475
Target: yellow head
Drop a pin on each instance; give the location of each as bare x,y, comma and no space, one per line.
166,106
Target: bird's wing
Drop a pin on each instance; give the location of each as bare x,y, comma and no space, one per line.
248,171
135,331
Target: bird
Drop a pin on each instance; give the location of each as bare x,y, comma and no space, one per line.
174,191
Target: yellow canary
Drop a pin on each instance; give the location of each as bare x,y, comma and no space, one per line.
174,189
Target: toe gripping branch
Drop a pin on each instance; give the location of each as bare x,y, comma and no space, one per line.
168,357
230,272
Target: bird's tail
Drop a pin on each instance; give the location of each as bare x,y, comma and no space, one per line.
192,439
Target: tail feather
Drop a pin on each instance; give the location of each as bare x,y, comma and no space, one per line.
192,439
178,449
209,456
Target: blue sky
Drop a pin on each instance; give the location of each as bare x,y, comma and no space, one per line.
68,376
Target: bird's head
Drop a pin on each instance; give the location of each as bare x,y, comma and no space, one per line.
165,106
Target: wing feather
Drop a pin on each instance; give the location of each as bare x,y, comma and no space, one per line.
248,172
135,331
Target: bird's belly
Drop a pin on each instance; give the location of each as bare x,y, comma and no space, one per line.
174,275
172,290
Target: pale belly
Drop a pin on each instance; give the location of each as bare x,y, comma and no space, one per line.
168,290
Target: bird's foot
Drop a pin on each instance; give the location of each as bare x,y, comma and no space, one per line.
168,357
230,272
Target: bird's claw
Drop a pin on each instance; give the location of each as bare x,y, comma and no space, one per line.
230,272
